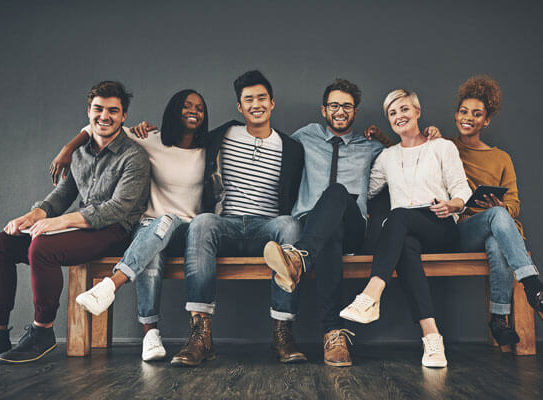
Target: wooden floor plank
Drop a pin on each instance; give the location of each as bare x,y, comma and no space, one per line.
476,371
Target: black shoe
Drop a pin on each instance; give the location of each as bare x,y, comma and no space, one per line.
33,345
5,344
503,333
534,298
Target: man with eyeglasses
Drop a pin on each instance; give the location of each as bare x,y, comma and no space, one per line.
332,208
251,183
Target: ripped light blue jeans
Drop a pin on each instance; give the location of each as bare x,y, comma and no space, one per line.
210,235
143,261
494,230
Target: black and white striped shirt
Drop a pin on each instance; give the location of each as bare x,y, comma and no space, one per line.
251,168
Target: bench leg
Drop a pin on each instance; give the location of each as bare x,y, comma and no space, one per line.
523,321
78,335
102,326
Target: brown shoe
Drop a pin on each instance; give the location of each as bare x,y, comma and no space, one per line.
336,352
284,345
288,263
200,344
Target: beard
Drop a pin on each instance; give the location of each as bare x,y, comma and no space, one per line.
346,128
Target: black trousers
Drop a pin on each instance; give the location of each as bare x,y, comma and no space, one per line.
335,226
405,235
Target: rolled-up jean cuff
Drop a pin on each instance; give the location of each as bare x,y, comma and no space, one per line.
125,269
153,319
282,316
208,308
500,309
526,271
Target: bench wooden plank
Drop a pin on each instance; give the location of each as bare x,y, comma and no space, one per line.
254,268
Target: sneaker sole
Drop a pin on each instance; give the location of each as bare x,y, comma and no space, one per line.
155,357
273,255
30,359
434,364
355,318
183,363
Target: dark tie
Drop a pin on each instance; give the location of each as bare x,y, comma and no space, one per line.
336,140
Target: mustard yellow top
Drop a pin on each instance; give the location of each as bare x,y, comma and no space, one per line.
491,167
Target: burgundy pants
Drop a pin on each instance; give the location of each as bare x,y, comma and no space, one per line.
46,254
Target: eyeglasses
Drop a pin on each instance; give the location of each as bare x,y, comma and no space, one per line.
256,150
347,107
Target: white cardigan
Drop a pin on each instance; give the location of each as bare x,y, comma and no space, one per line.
418,175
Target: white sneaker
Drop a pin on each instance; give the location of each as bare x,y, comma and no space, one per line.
434,351
363,309
98,298
152,346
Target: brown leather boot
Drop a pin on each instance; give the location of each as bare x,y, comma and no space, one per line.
199,347
288,262
336,352
284,345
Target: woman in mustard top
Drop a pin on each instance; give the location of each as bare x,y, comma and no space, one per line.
492,226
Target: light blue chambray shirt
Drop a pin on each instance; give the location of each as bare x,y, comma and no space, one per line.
356,156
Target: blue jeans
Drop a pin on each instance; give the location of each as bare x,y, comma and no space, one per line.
143,261
495,231
210,235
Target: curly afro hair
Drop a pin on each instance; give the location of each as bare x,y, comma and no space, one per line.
483,88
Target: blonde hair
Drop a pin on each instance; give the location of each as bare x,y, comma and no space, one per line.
398,94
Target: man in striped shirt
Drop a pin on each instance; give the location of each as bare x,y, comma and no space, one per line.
251,182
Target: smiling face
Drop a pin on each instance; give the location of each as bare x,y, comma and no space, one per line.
256,105
471,117
403,117
106,116
339,121
193,112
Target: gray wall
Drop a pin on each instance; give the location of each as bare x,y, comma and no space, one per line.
53,51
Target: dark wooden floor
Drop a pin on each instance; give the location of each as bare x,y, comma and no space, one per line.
250,372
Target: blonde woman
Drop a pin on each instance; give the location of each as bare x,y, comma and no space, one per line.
427,186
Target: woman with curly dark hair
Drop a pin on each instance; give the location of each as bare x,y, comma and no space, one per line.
492,226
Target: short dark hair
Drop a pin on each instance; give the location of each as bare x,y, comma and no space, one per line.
251,78
110,89
172,128
343,85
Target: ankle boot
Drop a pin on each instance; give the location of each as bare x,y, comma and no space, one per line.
283,343
199,347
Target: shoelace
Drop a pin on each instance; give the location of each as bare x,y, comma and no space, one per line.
362,302
301,253
433,346
335,337
153,341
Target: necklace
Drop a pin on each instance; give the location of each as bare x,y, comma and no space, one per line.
410,189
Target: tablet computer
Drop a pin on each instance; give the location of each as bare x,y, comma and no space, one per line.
482,190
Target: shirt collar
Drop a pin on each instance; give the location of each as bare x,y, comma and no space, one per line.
328,135
114,146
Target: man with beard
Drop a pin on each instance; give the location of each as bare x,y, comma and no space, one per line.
332,208
111,175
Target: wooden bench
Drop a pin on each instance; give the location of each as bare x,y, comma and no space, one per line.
86,331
